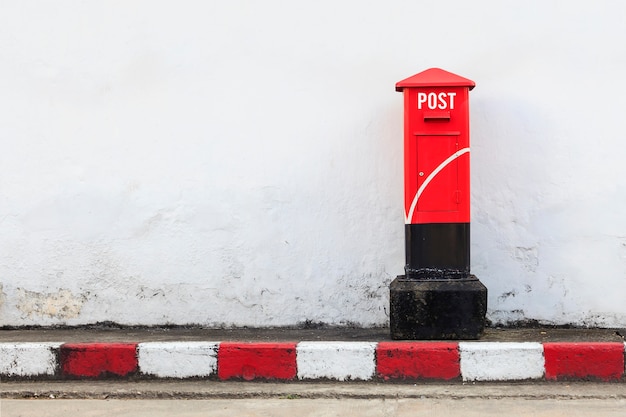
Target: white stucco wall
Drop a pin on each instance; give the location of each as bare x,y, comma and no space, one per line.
240,162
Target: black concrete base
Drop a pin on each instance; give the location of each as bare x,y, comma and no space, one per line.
437,309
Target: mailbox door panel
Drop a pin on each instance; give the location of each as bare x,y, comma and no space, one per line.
437,173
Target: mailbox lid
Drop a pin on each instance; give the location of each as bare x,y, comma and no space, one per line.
434,77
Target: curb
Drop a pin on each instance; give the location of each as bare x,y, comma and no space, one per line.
306,360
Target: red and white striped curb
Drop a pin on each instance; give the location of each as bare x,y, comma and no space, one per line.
342,361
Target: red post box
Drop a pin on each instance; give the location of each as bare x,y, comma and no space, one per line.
436,173
437,213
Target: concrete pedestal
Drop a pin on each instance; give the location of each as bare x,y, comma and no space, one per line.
449,309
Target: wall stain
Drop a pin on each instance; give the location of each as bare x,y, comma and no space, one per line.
59,305
506,295
528,257
3,296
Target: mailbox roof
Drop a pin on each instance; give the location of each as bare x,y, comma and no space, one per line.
435,77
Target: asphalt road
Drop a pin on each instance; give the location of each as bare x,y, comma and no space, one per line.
211,398
326,407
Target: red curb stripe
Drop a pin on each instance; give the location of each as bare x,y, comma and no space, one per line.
601,360
256,360
94,360
405,360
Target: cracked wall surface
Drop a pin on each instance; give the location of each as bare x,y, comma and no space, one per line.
241,163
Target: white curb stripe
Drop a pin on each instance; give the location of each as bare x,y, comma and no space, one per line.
178,359
336,360
501,361
28,359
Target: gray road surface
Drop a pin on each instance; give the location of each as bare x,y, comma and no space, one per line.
467,407
211,398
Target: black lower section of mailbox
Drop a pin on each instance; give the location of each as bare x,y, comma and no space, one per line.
437,250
